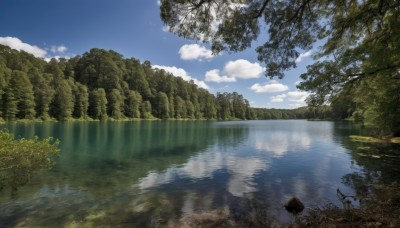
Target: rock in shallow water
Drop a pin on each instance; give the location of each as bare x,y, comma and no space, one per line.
294,206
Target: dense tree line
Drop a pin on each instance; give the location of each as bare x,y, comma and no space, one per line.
102,84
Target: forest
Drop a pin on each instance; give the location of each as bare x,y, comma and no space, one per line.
102,85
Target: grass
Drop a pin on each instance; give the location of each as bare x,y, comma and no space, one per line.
366,139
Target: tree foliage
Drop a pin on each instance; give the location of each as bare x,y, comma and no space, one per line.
21,158
358,42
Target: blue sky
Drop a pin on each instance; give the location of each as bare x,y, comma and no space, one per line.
52,28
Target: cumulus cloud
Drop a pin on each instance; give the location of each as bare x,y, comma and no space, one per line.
270,87
298,97
303,56
244,69
59,49
195,51
294,98
233,70
278,98
180,72
214,76
17,44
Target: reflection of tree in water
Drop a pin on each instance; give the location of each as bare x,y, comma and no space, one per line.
373,163
231,133
101,162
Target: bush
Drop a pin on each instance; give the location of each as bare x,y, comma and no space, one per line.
20,158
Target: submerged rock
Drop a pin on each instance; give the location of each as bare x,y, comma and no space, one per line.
294,206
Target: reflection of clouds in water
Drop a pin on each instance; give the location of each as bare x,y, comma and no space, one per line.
242,170
203,165
276,143
155,179
280,142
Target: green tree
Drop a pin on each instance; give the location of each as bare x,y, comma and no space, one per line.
132,104
136,78
378,102
171,102
9,104
23,94
180,108
43,93
225,107
63,102
162,106
146,110
81,95
98,104
190,111
115,104
99,69
4,78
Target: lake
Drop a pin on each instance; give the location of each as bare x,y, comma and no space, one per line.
142,173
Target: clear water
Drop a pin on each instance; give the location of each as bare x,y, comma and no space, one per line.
135,173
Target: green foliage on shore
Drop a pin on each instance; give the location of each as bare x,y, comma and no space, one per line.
366,139
21,158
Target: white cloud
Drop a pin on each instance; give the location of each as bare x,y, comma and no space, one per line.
233,70
180,72
159,2
195,51
57,57
270,87
214,76
298,97
303,56
17,44
297,82
278,98
60,49
243,69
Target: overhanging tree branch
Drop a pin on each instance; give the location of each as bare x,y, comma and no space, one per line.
262,9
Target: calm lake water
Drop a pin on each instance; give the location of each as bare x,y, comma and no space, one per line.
139,173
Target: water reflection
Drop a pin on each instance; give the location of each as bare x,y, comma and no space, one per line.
141,173
241,171
279,143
